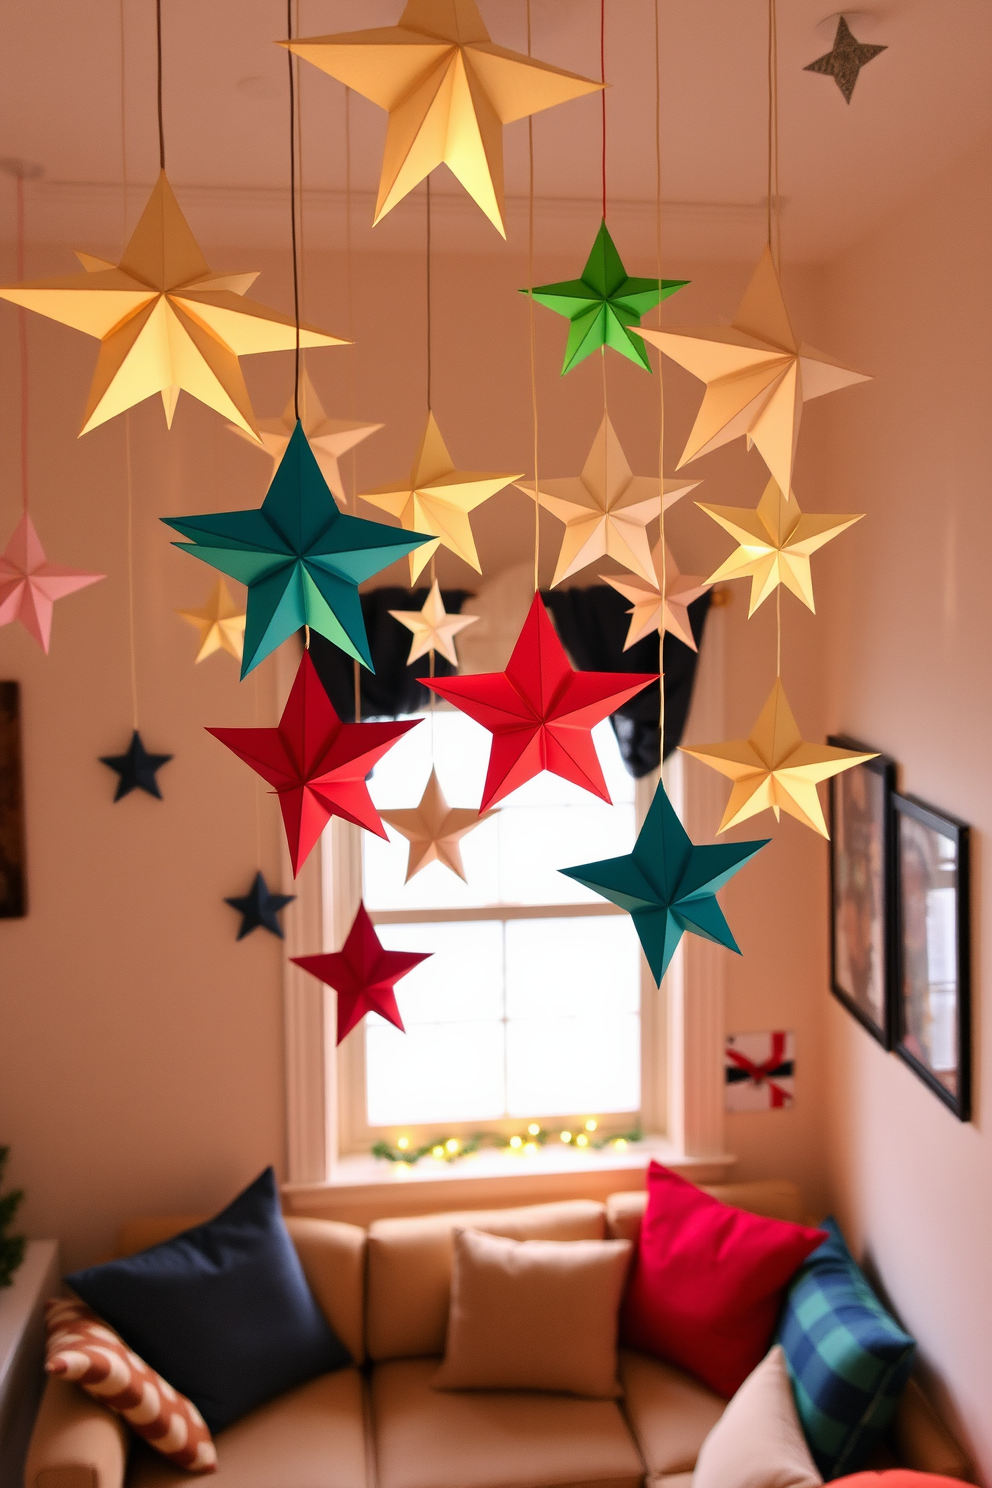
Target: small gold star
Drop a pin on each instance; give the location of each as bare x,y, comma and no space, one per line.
221,624
434,830
433,628
328,438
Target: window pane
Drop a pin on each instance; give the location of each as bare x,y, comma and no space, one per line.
561,1065
434,1072
572,968
536,841
463,980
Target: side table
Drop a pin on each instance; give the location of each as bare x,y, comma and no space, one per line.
22,1353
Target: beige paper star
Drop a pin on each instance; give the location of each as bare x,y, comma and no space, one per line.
437,498
757,376
433,628
328,438
645,595
775,767
165,322
776,540
434,830
221,624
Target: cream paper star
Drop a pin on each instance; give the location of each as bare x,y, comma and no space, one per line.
437,498
434,830
165,322
221,624
328,438
776,540
448,91
30,585
775,767
645,595
757,376
433,628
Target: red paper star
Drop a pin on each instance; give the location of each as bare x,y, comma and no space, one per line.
316,763
363,974
540,712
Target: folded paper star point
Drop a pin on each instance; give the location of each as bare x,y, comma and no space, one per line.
136,769
433,628
681,590
30,585
220,624
363,974
260,908
434,830
774,768
845,59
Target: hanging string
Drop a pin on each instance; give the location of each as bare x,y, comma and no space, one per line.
602,73
130,570
356,666
123,133
774,237
301,216
778,632
161,125
22,345
257,783
428,302
292,212
663,576
533,333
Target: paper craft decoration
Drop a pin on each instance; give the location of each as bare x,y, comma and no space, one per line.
363,974
645,595
540,712
433,628
316,764
757,375
136,769
845,59
606,510
434,830
775,768
448,91
603,303
301,559
668,884
260,908
166,324
30,585
221,624
437,498
776,541
328,438
759,1071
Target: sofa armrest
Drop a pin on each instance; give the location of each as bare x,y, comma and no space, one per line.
923,1442
76,1442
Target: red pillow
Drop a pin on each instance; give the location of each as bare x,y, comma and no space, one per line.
896,1477
707,1281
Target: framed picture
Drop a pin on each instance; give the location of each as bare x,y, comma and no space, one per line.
862,972
13,874
933,972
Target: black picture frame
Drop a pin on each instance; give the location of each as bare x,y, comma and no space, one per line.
921,832
13,867
862,888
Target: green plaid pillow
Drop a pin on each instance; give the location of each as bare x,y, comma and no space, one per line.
848,1358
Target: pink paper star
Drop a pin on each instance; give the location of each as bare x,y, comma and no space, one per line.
30,585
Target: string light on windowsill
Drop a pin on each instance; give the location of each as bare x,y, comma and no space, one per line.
404,1155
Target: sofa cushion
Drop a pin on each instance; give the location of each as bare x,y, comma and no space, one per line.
409,1267
425,1439
758,1441
670,1413
776,1198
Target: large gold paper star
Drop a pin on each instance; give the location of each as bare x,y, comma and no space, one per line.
434,830
221,624
645,595
328,438
433,628
606,509
775,767
757,376
776,540
448,91
166,323
437,498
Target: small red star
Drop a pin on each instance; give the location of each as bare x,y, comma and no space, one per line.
363,975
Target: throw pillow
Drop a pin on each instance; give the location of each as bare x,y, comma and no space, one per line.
534,1315
758,1441
898,1477
222,1311
83,1349
848,1358
708,1280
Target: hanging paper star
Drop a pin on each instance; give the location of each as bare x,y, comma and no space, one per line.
603,303
448,91
434,830
300,558
136,768
540,712
845,59
668,884
433,628
166,323
221,624
363,974
437,498
757,376
260,908
328,438
606,510
30,585
316,764
775,768
776,541
645,594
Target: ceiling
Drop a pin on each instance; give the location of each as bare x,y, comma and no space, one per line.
916,108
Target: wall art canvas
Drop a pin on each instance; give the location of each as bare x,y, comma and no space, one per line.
861,891
759,1071
13,871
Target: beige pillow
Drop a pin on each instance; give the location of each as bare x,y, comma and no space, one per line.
758,1441
534,1315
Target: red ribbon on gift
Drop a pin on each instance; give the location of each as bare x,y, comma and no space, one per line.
760,1073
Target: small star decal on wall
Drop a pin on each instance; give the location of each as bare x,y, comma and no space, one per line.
136,768
260,908
845,59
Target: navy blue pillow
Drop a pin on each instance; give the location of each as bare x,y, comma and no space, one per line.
222,1311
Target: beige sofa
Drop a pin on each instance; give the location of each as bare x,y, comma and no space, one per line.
379,1424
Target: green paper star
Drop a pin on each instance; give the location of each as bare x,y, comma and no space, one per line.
300,558
668,885
603,303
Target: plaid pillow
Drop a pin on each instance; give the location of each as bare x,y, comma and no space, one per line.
848,1358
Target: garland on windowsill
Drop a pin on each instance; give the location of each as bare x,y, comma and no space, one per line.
453,1148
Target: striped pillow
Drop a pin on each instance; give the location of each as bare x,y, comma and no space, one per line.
83,1349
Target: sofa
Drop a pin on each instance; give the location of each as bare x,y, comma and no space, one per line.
380,1424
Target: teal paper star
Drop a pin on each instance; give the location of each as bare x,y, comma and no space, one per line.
603,303
301,559
669,885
